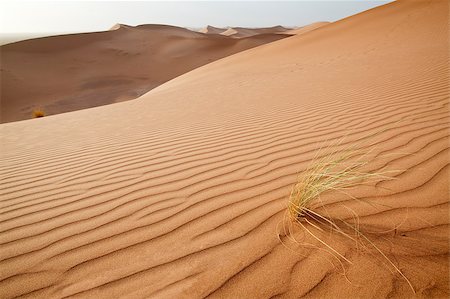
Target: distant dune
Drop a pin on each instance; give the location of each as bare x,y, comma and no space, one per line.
239,32
182,193
246,32
15,37
242,32
71,72
212,30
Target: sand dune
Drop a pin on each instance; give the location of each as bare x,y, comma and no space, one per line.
179,194
71,72
118,26
246,32
242,32
212,30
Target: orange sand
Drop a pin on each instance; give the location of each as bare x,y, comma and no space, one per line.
179,193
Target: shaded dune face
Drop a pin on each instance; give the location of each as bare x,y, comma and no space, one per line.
71,72
180,194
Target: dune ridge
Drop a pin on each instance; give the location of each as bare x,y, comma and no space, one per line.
307,28
179,194
246,32
243,32
212,30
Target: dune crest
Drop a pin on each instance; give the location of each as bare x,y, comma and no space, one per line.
240,32
307,28
180,194
212,30
117,26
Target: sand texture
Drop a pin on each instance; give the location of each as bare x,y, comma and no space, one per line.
180,194
77,71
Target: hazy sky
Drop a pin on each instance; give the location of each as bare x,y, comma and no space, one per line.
18,16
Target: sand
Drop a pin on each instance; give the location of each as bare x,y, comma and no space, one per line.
212,30
240,32
179,194
77,71
305,29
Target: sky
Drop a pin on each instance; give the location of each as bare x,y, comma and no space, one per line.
18,16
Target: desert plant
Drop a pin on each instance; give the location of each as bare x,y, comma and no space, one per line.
333,171
38,113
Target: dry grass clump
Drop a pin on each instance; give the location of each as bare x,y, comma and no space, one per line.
38,113
334,171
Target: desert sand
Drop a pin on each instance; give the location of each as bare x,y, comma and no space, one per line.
242,32
212,30
180,194
71,72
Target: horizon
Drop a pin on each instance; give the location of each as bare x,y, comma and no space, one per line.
44,17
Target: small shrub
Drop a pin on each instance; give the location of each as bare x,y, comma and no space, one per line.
38,113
